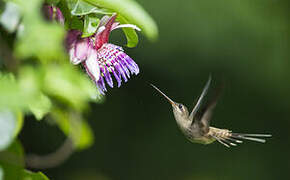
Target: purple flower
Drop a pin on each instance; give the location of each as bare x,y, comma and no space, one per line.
112,59
114,62
101,59
78,47
53,13
82,50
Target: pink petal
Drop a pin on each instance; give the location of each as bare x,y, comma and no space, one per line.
71,38
92,66
103,36
73,58
82,48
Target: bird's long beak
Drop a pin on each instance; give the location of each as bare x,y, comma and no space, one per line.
170,101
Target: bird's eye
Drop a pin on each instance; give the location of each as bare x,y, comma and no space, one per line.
180,106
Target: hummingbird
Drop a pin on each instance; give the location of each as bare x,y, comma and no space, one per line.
196,125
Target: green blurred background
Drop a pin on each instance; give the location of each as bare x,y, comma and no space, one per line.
243,43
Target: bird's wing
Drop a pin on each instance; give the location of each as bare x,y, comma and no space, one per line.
205,115
200,99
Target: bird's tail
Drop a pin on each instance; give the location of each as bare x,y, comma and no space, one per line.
228,138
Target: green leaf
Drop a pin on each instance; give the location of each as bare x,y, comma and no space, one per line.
10,93
76,23
41,40
80,8
91,23
133,12
28,175
12,161
29,83
63,83
68,85
10,125
19,123
27,88
131,35
75,127
38,38
40,106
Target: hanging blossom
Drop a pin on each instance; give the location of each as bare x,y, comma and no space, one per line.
82,50
53,13
101,59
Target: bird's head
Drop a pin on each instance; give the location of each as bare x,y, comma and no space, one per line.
180,111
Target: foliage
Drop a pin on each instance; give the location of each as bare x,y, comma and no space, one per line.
12,164
36,78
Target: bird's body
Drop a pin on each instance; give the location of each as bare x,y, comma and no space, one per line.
195,126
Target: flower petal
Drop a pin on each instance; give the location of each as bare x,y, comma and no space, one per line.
120,70
103,36
104,20
92,65
71,38
112,59
129,66
124,67
48,11
100,29
103,85
53,13
76,46
82,49
59,17
118,78
100,87
113,47
108,78
73,59
130,63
